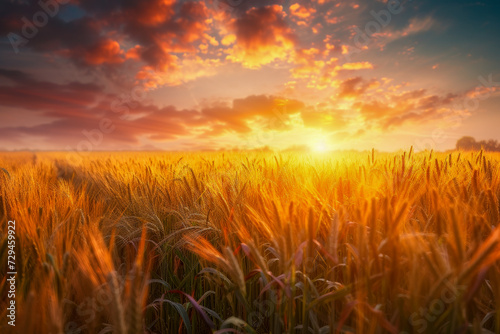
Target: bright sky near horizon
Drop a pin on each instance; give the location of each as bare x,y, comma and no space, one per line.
226,74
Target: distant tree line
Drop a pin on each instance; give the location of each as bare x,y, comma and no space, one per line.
469,144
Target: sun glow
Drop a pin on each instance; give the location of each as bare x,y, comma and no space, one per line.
320,146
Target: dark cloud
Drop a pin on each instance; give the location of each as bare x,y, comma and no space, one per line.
29,93
235,8
262,36
109,28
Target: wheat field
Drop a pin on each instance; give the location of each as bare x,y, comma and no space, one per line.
260,242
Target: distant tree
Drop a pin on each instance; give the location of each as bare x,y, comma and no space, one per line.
490,145
470,144
467,144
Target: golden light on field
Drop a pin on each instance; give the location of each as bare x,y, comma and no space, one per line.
202,228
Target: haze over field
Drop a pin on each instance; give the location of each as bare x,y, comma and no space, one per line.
197,75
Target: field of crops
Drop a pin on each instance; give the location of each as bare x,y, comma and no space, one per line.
253,242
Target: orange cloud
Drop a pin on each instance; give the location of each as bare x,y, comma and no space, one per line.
320,67
331,17
355,87
228,39
106,51
483,92
272,112
356,66
134,53
306,63
177,71
301,12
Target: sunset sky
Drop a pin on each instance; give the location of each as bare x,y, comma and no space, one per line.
199,75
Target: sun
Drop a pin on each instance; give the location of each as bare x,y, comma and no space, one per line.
320,146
